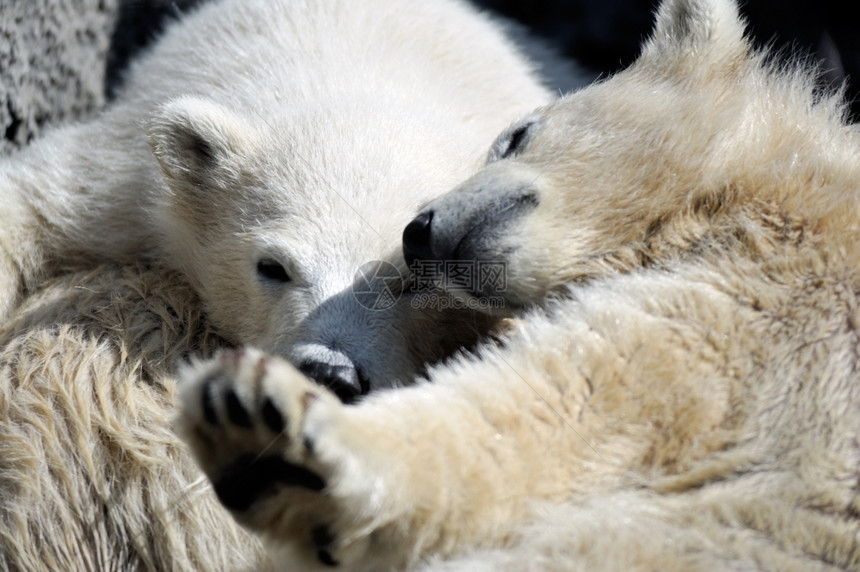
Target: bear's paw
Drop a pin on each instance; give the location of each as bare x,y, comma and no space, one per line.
282,455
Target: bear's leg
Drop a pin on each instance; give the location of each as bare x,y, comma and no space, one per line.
79,194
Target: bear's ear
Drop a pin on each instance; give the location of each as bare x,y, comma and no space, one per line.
196,140
709,29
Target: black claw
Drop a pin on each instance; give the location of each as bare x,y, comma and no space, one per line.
272,417
322,538
250,478
309,444
208,397
326,558
236,411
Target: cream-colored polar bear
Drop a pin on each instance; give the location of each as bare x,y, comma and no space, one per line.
292,142
689,397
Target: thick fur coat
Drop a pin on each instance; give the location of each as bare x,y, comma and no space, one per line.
687,397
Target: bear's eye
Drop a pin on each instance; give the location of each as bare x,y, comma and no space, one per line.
272,270
512,144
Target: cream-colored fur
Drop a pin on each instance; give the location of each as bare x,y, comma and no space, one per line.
91,475
688,397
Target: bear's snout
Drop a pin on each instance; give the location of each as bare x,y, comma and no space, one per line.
345,381
465,224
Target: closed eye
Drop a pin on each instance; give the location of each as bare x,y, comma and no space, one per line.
511,143
272,270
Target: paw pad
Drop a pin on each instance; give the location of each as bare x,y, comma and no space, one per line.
251,478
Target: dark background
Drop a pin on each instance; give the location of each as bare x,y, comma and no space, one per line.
604,35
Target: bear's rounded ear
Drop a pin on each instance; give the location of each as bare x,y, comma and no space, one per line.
697,28
192,138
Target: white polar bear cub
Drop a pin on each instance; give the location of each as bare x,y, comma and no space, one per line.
690,401
292,141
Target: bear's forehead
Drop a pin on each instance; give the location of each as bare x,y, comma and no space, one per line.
637,115
365,146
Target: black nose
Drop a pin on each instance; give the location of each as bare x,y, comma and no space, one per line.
345,381
416,239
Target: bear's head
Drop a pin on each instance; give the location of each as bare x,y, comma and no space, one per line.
288,226
686,152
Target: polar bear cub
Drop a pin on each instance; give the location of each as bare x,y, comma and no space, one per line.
267,150
686,399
